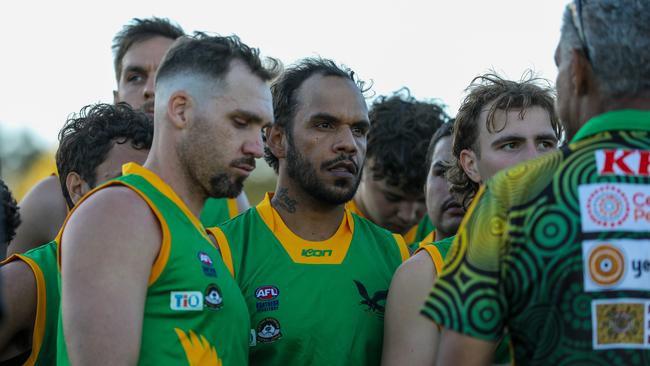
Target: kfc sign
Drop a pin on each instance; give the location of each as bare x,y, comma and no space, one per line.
623,162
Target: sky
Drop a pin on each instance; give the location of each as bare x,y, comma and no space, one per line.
57,58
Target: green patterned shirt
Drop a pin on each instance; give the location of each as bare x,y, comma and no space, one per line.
557,251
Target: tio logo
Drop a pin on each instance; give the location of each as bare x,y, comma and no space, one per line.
316,253
186,300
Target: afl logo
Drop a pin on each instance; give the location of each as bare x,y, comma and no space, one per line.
205,258
266,293
608,206
606,265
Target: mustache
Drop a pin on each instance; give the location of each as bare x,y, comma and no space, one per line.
340,158
244,161
449,203
147,107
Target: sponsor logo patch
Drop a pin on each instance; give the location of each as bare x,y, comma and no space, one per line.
268,330
316,253
267,306
376,303
614,207
617,264
623,162
267,293
621,323
206,264
186,300
213,299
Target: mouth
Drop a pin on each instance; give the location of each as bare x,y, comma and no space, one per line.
147,108
343,168
453,208
244,167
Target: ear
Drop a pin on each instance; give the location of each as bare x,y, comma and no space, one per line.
179,108
581,73
469,162
76,186
276,140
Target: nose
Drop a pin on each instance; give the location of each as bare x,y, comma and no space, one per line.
254,146
149,88
531,151
409,212
345,141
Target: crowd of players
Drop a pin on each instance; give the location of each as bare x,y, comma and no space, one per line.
144,249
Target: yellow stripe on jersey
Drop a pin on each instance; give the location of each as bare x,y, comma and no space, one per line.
330,251
233,210
224,248
435,255
409,237
401,245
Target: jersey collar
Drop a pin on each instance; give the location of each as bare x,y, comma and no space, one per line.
620,120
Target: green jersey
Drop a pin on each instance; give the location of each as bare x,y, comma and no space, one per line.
42,263
312,303
218,210
194,312
557,251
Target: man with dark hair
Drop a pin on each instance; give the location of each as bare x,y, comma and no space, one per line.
136,244
500,123
552,247
9,216
390,193
313,274
138,49
93,146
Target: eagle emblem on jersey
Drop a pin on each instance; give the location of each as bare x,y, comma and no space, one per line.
372,303
199,352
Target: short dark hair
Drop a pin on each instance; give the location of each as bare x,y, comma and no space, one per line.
86,139
140,30
400,130
212,56
503,95
9,216
284,90
445,130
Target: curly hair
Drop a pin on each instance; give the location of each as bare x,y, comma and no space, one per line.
86,139
140,30
400,130
211,56
284,91
493,91
9,216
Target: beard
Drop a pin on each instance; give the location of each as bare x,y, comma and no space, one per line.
304,173
222,186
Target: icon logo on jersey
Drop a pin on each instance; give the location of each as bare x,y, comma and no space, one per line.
621,323
213,298
616,264
606,265
614,207
268,330
186,300
316,253
267,293
206,264
372,303
623,162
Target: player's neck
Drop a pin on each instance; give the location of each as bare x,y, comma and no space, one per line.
305,216
173,175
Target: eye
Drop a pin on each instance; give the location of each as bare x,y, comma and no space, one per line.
510,146
134,78
438,172
359,131
325,125
392,198
546,145
240,122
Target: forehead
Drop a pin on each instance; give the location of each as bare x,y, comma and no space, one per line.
241,89
536,120
442,150
146,53
333,95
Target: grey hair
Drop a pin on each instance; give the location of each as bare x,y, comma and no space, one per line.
617,35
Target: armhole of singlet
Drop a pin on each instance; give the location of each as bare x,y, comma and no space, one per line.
224,248
435,255
233,210
401,245
41,307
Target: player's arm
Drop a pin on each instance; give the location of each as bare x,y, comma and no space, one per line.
242,202
108,248
409,339
18,288
460,349
42,212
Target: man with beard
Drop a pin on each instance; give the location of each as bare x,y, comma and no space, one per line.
552,248
138,49
136,245
314,275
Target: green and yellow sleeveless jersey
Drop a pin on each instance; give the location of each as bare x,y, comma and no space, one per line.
42,262
218,210
412,237
194,312
556,250
312,303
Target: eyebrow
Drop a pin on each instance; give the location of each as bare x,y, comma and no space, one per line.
331,118
517,138
134,68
